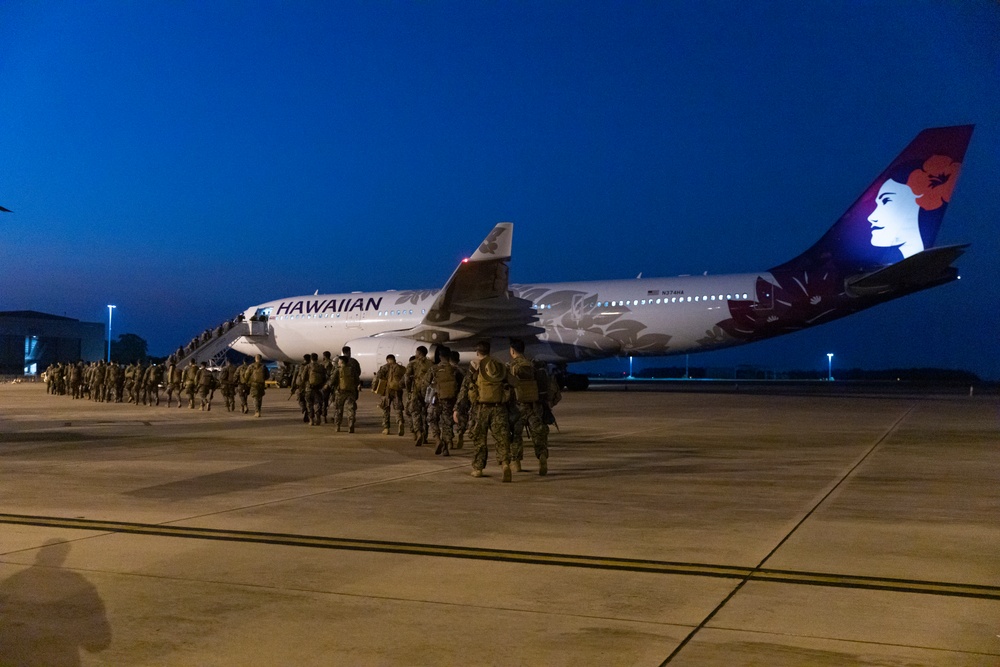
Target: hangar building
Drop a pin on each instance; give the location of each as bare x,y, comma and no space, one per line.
30,341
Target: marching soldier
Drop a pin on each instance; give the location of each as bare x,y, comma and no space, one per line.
174,378
418,378
243,388
316,379
527,409
491,399
190,382
227,384
445,380
154,376
206,386
258,376
389,385
347,380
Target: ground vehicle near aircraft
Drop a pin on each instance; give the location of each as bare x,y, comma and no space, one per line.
882,248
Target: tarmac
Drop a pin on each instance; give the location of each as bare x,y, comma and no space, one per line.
672,529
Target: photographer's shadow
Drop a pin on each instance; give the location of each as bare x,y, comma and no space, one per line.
47,613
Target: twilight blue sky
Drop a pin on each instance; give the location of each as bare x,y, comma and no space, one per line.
184,160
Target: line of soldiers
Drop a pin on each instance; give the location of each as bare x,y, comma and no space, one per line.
319,381
433,399
437,401
139,383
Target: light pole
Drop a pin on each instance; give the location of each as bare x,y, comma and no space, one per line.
829,365
110,308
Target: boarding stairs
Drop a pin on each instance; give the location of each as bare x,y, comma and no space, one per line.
214,349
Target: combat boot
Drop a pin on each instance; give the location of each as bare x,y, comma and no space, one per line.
476,472
543,464
515,466
440,447
351,429
458,445
506,472
385,431
402,429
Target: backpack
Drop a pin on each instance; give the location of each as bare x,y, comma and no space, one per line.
491,380
525,384
258,374
444,378
348,378
317,375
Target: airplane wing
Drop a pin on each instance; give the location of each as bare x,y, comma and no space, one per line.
476,301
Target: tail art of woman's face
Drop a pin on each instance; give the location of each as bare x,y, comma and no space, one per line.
896,219
895,222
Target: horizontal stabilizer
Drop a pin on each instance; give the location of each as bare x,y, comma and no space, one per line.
926,268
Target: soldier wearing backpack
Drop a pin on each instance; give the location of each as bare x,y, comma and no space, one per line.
418,378
316,379
389,385
492,396
347,381
258,375
527,408
445,381
190,382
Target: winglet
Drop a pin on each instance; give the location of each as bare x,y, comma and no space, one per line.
496,245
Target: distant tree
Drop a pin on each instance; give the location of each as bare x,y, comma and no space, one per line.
129,348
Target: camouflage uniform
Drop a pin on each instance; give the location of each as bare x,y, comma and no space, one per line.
257,374
76,379
389,385
446,381
154,376
243,388
316,379
173,377
206,386
190,382
300,387
418,378
227,385
327,391
492,415
346,379
527,411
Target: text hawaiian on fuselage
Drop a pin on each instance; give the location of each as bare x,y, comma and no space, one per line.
329,306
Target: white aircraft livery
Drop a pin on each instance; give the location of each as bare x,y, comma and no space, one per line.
882,248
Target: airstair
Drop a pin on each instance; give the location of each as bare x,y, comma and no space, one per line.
213,345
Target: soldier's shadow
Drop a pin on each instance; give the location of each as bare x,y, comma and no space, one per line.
48,614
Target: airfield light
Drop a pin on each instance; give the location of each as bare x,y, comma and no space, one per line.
829,365
110,308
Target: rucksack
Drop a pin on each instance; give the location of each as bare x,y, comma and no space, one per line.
444,378
525,385
491,380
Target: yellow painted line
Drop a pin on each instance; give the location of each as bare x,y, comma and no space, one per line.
511,556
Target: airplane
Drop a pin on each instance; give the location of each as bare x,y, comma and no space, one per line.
880,249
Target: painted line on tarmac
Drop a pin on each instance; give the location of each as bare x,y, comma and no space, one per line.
747,574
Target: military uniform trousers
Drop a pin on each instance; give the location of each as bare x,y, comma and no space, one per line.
347,398
530,414
492,417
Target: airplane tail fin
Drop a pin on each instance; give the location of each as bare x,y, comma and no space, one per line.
899,214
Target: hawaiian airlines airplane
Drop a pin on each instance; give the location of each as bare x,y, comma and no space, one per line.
882,248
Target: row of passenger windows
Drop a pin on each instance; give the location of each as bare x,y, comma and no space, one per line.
663,300
318,316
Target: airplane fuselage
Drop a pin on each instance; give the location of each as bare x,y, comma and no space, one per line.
581,321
